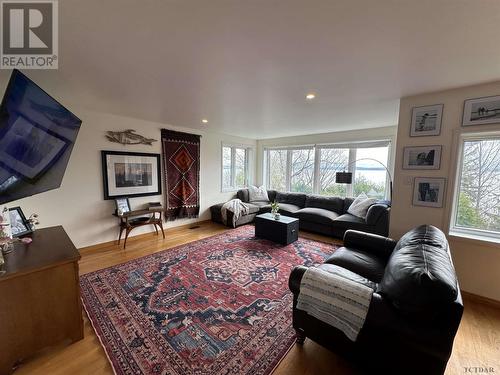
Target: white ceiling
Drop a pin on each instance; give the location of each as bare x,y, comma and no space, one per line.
246,65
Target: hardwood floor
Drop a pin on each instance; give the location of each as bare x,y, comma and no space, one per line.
477,343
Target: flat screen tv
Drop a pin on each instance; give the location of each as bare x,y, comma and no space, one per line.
37,135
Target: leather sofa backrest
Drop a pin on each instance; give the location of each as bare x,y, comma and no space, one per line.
271,194
334,204
420,276
298,199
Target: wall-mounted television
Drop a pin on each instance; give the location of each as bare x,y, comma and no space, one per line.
37,135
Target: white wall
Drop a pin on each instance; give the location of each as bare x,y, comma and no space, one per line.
477,263
388,132
79,205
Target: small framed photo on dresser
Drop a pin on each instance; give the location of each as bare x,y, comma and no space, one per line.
19,225
426,120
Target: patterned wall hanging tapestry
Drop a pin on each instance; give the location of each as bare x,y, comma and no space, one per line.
181,165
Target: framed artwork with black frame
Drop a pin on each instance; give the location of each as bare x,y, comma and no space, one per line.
428,191
130,174
19,225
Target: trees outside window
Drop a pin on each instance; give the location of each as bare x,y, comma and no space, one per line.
477,196
313,169
234,167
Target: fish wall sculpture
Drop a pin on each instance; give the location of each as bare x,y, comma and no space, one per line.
129,137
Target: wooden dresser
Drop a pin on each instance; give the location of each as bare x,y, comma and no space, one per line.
39,296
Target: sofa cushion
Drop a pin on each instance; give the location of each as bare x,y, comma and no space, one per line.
361,262
258,194
253,208
297,199
350,221
359,207
243,195
286,208
334,204
347,204
420,275
316,215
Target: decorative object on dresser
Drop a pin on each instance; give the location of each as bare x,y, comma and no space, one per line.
41,304
481,111
284,230
154,205
19,225
130,174
216,306
422,157
181,160
128,137
138,218
428,192
426,120
414,312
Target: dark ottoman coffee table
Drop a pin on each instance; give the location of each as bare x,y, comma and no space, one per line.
284,231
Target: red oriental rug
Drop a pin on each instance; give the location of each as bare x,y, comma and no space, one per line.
181,165
215,306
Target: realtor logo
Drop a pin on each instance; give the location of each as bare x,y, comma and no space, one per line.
29,34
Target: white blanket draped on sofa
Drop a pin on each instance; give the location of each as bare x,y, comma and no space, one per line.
335,298
237,207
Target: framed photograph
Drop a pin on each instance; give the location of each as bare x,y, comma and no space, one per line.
422,157
481,111
122,205
29,150
130,174
18,223
426,120
428,192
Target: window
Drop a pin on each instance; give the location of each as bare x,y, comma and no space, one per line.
476,208
312,169
234,167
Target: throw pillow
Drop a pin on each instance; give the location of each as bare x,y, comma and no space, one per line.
258,194
361,205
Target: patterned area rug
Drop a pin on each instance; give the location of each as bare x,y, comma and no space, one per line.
216,306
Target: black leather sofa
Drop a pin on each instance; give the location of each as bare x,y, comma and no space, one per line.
320,214
414,313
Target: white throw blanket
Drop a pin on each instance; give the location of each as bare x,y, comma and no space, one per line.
336,296
237,207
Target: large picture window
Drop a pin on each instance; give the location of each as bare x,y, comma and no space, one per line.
234,167
476,207
312,169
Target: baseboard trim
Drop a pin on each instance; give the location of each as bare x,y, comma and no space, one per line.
140,236
480,299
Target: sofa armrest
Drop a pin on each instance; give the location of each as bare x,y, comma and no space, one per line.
295,278
372,243
376,212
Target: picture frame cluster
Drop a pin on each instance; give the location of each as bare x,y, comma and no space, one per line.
426,121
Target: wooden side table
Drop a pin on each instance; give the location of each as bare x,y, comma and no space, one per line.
40,294
127,222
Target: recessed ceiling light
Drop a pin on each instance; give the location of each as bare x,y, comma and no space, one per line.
204,120
310,96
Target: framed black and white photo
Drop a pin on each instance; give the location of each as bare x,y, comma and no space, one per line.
481,111
29,150
426,120
428,192
422,157
130,174
122,205
18,223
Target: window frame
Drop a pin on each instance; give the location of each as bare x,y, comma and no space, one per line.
233,147
351,146
458,231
